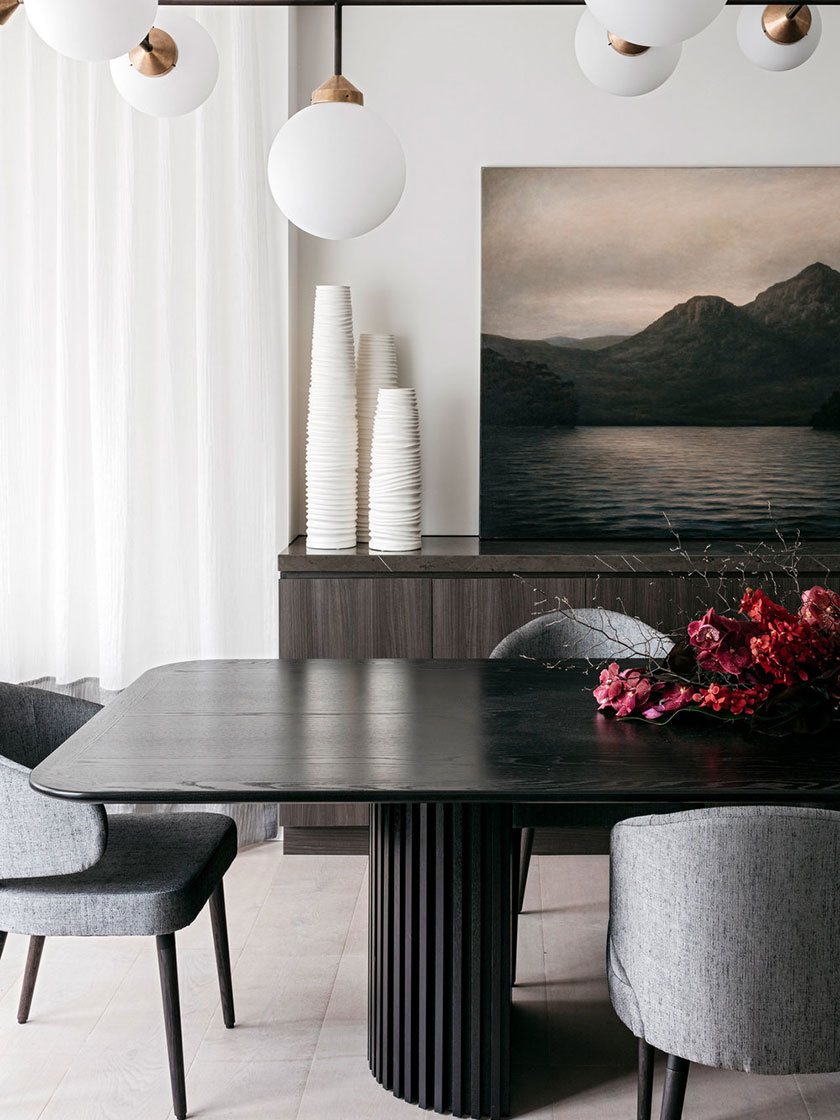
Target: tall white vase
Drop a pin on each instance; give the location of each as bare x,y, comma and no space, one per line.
376,368
332,429
395,482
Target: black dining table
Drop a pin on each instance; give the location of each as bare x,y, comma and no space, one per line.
442,751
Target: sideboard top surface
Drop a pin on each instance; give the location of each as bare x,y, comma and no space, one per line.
472,555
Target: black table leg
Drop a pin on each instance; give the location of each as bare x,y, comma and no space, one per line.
440,955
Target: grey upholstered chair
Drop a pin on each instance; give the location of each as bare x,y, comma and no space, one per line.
580,632
68,870
724,942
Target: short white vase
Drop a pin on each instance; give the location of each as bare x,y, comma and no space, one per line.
395,479
376,368
332,430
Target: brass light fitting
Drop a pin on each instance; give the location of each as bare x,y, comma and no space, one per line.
337,88
7,10
785,24
156,55
623,46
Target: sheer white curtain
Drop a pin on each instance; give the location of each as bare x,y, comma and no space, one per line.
142,363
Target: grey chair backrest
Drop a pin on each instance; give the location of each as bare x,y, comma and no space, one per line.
589,632
39,835
724,939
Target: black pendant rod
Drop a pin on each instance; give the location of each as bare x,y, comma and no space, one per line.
337,40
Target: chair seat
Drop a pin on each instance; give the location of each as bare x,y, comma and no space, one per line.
154,878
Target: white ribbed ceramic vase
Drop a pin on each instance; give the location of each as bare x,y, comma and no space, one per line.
331,429
395,484
376,368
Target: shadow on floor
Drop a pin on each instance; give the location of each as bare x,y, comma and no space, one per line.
560,1048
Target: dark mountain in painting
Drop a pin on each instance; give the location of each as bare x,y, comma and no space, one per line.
806,308
827,417
774,361
526,394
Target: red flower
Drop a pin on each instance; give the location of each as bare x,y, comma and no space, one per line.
723,644
740,700
622,691
789,649
668,698
821,608
759,607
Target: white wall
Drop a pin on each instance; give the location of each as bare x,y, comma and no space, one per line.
472,87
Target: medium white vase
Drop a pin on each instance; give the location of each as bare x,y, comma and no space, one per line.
376,368
395,482
332,429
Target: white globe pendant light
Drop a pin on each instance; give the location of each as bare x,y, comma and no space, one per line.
172,71
656,23
780,36
618,67
336,169
91,30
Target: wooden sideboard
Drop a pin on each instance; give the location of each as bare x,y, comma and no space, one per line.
458,596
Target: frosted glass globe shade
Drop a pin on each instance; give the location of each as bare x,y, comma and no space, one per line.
336,170
760,48
621,74
655,23
187,85
91,30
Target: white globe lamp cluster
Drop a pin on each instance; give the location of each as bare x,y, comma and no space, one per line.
630,47
163,63
336,169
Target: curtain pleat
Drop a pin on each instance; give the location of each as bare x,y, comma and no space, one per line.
141,365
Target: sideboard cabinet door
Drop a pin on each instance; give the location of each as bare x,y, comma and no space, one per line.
471,616
347,617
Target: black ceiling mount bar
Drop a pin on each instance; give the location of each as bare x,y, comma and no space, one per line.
426,3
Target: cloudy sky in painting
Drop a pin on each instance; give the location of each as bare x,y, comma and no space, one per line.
583,252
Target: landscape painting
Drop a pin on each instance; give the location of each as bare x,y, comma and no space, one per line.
660,353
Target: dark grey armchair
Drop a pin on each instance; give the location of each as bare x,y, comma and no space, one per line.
592,633
724,942
68,870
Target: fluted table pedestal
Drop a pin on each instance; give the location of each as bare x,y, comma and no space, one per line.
440,936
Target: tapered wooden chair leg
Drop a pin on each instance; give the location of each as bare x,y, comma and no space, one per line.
33,962
645,1095
218,919
168,966
515,852
676,1076
525,863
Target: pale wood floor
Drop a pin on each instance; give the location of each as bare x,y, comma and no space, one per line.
94,1048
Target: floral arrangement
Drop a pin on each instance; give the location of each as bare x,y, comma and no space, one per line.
779,670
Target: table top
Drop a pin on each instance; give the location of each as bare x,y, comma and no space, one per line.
209,731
